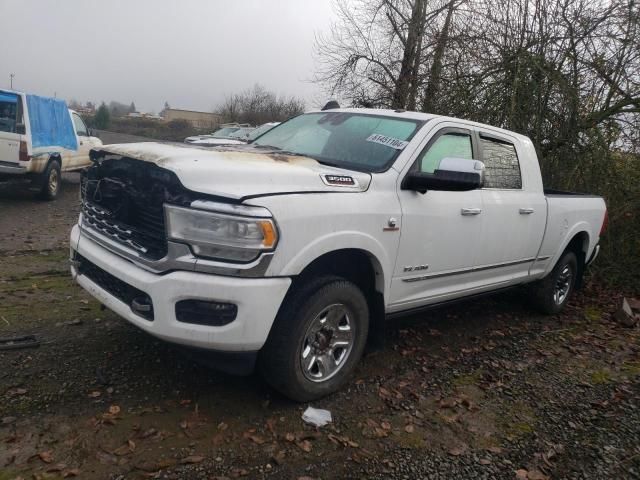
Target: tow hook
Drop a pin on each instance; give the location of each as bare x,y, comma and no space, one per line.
142,306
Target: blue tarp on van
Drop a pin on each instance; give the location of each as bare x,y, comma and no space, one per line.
51,124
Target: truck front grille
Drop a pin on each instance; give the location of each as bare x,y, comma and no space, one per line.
147,237
116,287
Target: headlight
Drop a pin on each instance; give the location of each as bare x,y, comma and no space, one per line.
221,236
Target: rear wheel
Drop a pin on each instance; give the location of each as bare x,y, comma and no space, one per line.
317,339
551,294
51,179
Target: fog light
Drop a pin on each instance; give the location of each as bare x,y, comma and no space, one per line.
202,312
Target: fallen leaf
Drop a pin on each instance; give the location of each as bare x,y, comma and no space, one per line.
74,472
46,457
114,409
192,459
106,458
409,429
485,461
278,457
123,450
521,474
95,394
222,426
304,445
457,451
289,437
386,425
495,450
255,438
536,475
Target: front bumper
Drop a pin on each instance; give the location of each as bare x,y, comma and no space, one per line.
258,300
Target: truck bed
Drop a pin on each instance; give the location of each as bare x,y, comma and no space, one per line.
562,193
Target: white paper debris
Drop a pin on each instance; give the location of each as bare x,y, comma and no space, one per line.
316,416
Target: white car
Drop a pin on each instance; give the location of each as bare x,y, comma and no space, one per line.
231,136
40,138
293,251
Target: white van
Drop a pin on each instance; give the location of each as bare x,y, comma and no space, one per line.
40,138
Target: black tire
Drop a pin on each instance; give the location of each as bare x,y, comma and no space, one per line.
546,294
51,180
281,361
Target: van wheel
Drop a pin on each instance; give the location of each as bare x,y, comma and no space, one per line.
51,179
551,294
316,340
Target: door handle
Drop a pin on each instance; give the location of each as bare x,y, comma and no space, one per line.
526,211
471,211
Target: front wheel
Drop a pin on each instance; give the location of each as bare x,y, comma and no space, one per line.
316,340
551,294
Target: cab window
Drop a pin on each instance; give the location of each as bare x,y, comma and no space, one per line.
81,128
8,112
452,144
501,166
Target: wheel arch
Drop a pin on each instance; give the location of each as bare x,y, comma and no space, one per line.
359,266
579,245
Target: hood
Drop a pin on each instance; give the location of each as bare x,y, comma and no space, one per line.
240,171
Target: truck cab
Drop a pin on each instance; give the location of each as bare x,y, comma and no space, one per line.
39,139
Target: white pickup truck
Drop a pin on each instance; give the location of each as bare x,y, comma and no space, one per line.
292,251
40,138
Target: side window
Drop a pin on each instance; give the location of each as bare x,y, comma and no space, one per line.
446,145
501,166
8,112
81,129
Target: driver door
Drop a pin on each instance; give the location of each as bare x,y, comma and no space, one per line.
440,230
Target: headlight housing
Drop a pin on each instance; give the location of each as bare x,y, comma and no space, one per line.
221,236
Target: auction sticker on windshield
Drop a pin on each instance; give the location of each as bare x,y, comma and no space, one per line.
388,141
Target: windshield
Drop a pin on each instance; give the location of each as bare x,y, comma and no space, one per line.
350,140
242,133
224,132
260,130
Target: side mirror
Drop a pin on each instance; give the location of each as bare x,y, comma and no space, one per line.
452,174
93,133
21,129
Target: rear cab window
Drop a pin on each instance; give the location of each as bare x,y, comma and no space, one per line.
501,163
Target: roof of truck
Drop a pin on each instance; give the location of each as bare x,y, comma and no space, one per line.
424,117
382,111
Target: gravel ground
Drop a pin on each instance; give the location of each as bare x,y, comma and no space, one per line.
485,389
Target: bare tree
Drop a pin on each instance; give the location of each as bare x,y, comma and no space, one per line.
258,105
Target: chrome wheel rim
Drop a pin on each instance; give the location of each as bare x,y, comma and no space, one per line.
563,285
327,343
53,181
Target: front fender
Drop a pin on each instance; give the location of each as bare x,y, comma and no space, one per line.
345,240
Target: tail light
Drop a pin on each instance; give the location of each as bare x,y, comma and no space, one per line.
605,222
24,152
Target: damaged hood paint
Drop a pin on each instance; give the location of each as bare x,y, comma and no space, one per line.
240,171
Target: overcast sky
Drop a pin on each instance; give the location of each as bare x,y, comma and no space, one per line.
190,53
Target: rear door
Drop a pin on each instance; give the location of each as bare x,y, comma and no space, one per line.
514,210
10,119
